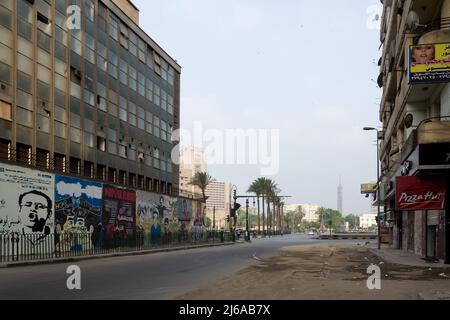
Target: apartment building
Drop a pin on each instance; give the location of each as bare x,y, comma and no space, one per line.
415,112
218,202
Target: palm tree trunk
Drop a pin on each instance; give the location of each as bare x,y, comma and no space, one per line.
263,213
259,220
269,217
274,217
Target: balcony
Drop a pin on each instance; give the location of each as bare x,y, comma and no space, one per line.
431,132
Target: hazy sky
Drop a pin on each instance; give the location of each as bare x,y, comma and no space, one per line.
304,67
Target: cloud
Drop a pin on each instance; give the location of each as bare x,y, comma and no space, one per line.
75,189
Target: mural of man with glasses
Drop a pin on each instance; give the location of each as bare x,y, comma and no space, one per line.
35,209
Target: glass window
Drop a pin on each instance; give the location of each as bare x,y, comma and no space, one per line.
43,123
23,81
75,135
24,64
112,134
5,110
25,10
24,29
5,17
60,130
24,117
61,114
43,41
89,139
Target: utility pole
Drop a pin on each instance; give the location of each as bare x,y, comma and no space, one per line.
214,218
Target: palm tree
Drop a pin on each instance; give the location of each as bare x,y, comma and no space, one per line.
202,180
257,187
270,190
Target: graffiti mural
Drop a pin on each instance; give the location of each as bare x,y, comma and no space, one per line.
154,217
78,213
119,214
26,205
184,209
199,211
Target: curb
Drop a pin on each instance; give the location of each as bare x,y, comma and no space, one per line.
108,255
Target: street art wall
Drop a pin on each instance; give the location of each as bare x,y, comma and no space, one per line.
155,218
78,211
84,214
199,210
119,214
27,205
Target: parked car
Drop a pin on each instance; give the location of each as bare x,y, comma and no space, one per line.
310,233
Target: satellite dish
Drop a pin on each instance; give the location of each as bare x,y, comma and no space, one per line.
413,20
409,119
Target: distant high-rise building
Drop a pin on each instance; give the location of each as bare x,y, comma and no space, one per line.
192,161
340,201
218,202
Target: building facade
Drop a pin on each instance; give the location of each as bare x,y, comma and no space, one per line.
84,91
310,211
415,138
192,161
367,221
218,202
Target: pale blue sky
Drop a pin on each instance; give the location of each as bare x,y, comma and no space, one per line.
304,67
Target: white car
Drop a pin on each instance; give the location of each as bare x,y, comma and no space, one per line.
310,233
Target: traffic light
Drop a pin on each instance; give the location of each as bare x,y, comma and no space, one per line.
228,218
234,210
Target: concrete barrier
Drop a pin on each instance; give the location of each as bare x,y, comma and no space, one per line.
347,237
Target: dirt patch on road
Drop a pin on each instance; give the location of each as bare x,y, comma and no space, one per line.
322,272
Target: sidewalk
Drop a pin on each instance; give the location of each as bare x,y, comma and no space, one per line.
111,255
398,256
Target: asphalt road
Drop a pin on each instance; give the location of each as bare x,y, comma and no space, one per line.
150,277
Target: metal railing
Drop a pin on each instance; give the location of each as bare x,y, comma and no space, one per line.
15,247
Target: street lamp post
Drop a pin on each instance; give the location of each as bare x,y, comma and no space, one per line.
378,183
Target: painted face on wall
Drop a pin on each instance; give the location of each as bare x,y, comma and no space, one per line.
35,210
423,53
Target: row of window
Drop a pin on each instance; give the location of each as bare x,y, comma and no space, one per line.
23,154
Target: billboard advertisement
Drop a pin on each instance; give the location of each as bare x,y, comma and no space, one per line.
368,188
27,205
420,193
429,63
119,214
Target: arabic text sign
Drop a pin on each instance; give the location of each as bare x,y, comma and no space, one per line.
368,188
420,193
429,63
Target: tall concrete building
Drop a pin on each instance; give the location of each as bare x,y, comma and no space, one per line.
415,136
192,161
340,197
219,197
85,91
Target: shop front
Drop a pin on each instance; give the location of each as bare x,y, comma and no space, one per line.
421,204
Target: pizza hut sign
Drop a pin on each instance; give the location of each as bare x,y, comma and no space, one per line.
420,193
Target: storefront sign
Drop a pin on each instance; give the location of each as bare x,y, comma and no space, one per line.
420,193
434,154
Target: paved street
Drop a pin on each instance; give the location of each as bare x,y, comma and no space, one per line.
155,276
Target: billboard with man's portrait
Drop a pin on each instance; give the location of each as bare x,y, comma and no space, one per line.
429,63
27,206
